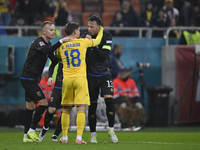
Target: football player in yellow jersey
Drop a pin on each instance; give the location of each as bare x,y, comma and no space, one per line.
75,86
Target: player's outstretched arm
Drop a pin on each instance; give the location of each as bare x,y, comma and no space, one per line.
54,61
55,46
97,41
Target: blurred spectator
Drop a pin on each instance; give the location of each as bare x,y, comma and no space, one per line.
50,7
170,11
116,64
159,21
173,33
20,22
185,8
119,22
146,16
158,4
36,32
129,15
2,31
28,9
196,15
5,12
61,13
190,37
127,100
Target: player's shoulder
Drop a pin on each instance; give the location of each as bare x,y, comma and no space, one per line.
107,34
39,41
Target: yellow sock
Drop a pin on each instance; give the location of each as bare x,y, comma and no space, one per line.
65,120
80,121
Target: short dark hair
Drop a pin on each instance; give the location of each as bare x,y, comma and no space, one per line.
96,18
45,23
70,27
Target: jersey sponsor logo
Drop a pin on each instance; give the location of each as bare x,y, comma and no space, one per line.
41,43
108,41
39,94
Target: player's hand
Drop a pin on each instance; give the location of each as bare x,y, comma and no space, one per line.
123,105
88,36
138,105
66,39
50,82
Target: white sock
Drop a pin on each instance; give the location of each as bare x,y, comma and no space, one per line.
79,137
31,130
45,128
65,138
93,134
110,129
25,135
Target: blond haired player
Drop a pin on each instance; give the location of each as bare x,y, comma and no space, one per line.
75,86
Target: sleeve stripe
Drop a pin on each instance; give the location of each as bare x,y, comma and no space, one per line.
108,41
106,47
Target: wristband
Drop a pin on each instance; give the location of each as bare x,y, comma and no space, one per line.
60,41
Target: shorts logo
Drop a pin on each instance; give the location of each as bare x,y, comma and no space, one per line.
111,89
51,100
39,94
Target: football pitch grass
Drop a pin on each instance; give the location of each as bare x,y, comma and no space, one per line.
169,138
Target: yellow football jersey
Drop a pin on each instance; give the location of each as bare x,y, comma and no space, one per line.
73,55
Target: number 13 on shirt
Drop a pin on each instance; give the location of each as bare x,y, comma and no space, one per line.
75,58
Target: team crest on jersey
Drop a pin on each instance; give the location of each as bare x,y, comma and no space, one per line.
41,43
39,93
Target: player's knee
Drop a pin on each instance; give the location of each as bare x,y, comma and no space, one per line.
110,103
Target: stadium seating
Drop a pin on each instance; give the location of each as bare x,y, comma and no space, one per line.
77,17
86,15
136,5
75,5
48,18
111,5
92,6
107,18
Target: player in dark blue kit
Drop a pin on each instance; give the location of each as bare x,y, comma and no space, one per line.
38,53
99,76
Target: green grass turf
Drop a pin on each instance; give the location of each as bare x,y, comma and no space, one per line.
171,138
